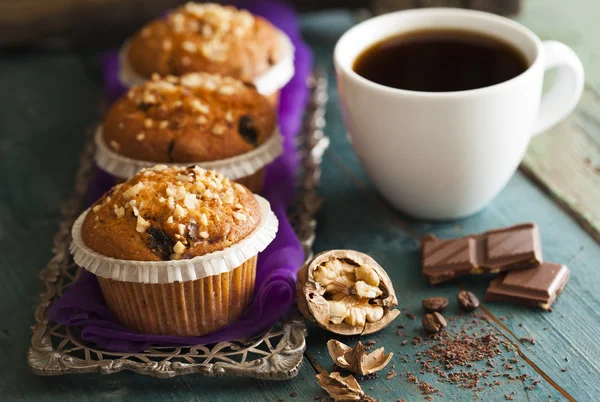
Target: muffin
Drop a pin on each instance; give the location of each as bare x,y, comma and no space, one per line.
213,121
175,249
210,38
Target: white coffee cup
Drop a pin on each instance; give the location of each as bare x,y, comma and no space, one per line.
445,155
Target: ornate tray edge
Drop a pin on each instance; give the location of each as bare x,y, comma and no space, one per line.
44,359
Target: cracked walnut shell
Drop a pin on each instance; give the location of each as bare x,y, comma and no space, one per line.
356,359
341,389
347,293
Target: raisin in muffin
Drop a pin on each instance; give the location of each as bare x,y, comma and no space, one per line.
209,120
211,38
174,249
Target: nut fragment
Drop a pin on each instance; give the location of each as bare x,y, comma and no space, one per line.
347,293
434,322
341,389
435,303
356,359
467,300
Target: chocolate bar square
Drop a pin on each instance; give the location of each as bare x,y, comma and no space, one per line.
494,251
512,248
537,286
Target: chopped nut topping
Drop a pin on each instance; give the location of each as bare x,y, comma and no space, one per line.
170,219
140,136
190,201
96,208
167,45
142,224
133,190
199,106
201,120
227,90
115,145
163,124
240,217
179,248
203,219
189,46
120,212
183,177
148,123
181,228
204,235
179,212
218,129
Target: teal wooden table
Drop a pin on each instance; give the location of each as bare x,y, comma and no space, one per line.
48,99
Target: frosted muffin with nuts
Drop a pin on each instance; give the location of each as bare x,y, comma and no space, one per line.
213,121
174,249
210,38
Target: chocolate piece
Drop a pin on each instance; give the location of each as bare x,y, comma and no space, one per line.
494,251
537,286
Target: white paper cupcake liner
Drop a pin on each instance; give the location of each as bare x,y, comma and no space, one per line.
266,84
234,168
214,263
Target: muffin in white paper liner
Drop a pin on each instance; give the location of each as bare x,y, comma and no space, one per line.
266,84
158,272
235,168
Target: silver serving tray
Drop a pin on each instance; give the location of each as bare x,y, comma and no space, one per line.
275,354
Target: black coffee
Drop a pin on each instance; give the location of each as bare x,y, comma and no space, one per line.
440,60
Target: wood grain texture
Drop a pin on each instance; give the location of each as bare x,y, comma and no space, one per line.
566,159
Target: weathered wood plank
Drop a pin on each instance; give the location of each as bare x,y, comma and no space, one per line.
566,159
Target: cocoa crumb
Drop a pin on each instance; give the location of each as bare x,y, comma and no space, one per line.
411,378
391,374
410,316
369,344
527,340
404,342
293,394
508,397
565,369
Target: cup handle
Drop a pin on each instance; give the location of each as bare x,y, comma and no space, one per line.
562,98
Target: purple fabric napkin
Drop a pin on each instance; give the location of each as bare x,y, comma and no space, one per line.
82,304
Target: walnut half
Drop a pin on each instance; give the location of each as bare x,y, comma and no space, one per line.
347,293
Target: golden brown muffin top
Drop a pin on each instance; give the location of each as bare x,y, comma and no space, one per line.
170,213
206,37
195,118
